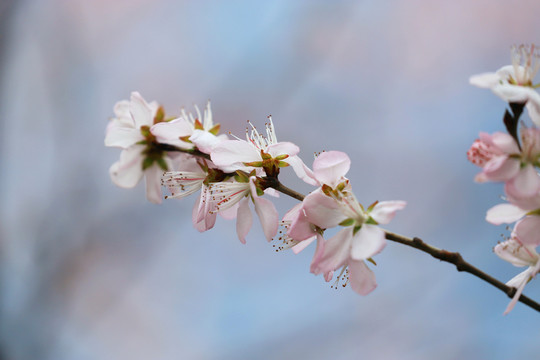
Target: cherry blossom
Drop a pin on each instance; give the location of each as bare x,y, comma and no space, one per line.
258,151
520,251
514,83
130,130
187,131
501,159
236,195
335,204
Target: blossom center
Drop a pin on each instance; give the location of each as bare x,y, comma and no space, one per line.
525,60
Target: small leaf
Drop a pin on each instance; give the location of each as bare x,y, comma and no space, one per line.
160,115
372,261
198,125
282,164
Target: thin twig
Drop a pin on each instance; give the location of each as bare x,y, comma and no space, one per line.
443,255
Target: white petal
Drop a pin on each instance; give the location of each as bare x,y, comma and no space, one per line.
527,230
533,107
205,141
385,211
265,209
142,113
152,177
244,220
170,132
283,148
504,214
367,242
230,155
485,80
122,137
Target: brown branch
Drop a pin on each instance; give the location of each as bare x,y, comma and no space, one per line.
443,255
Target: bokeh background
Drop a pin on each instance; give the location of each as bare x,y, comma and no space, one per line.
91,271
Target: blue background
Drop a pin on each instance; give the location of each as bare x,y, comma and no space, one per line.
92,271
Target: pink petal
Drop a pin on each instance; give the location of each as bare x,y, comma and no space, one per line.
265,209
385,211
504,214
322,210
301,170
330,167
527,230
230,213
525,183
153,184
300,228
230,155
505,143
128,171
361,278
296,249
202,223
336,253
367,242
244,220
283,148
501,168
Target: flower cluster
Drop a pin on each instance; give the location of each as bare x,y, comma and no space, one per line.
186,155
513,158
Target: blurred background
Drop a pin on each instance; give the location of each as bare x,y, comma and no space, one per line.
92,271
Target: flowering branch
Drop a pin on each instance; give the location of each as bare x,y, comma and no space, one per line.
187,155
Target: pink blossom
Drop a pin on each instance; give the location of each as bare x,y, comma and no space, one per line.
236,195
334,204
502,160
514,83
520,251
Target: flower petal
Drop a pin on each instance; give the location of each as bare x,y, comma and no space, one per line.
230,155
485,80
533,107
244,220
504,214
128,171
368,241
152,177
361,278
302,171
525,183
283,148
265,209
205,141
330,167
336,253
170,132
527,230
141,111
122,137
322,210
501,168
385,211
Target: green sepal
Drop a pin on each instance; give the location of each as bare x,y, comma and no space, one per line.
254,164
372,261
347,222
356,229
260,191
147,162
371,221
198,125
162,164
282,164
281,157
327,190
215,129
145,130
534,212
142,142
372,206
160,115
